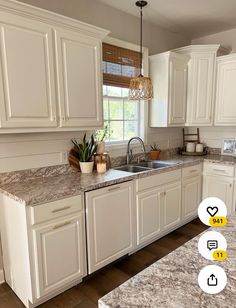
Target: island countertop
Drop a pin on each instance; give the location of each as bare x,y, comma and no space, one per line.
51,188
172,282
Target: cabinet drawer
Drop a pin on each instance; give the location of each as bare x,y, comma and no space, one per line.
158,179
218,169
55,209
191,171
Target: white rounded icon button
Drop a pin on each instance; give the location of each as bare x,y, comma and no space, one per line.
212,279
210,242
211,207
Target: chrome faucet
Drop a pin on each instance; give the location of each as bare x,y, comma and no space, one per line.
129,154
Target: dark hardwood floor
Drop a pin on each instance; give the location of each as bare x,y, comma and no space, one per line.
86,294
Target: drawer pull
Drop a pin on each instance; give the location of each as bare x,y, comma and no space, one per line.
61,209
220,170
114,188
61,225
195,170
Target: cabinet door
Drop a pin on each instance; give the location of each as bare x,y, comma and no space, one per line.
109,214
201,89
59,254
27,87
148,215
177,92
226,92
80,82
220,187
191,197
171,207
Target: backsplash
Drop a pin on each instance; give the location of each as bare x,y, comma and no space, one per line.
30,174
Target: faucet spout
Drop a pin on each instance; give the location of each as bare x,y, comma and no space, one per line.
129,154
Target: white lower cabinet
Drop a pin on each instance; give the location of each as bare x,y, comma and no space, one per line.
171,206
191,197
158,208
59,253
44,251
218,181
109,217
220,187
148,215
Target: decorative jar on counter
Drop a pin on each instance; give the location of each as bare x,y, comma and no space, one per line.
102,162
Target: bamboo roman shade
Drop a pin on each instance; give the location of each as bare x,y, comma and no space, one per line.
119,65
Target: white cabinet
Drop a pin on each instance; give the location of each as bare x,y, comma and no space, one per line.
171,206
50,71
44,250
27,85
148,215
169,76
218,182
79,79
191,191
220,187
109,217
191,197
201,82
59,253
225,113
158,206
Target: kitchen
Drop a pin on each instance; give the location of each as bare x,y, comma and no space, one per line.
61,229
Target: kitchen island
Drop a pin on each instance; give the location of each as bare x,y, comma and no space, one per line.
173,281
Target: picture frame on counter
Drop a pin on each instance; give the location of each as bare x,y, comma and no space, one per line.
228,147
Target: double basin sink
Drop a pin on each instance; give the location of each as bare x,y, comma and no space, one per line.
146,166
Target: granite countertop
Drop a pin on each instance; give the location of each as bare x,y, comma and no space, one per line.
50,188
172,282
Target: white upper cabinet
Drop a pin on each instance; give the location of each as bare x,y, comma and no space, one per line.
169,76
80,79
27,86
225,113
201,82
50,71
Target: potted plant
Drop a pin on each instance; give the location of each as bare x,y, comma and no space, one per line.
85,150
155,151
100,136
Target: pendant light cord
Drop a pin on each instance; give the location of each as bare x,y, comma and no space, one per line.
141,40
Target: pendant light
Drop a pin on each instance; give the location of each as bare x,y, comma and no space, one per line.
141,87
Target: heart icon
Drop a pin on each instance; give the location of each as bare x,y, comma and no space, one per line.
212,210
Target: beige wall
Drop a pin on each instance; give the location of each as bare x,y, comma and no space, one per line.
122,26
225,38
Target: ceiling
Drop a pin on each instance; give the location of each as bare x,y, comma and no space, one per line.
194,18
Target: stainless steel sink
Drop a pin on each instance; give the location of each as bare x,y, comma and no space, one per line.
156,164
145,166
133,169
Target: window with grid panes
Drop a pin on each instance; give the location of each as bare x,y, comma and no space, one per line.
121,116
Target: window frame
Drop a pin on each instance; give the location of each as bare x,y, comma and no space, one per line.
143,106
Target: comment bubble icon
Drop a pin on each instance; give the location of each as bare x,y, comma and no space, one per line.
209,242
212,244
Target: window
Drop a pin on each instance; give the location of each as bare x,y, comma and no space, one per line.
121,116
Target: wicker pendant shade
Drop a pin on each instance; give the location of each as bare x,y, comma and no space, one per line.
141,87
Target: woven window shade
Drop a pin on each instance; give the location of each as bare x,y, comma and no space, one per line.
119,65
